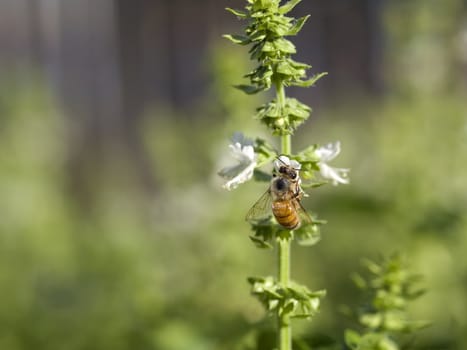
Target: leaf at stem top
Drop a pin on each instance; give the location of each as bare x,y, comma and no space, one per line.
249,89
309,82
298,25
237,13
260,243
288,6
238,39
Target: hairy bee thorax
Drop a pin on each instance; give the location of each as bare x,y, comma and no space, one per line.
279,187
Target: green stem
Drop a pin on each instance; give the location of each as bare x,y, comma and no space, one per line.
285,329
286,141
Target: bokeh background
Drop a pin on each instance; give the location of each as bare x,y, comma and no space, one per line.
115,116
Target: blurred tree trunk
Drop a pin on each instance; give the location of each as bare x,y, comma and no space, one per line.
89,83
351,44
19,37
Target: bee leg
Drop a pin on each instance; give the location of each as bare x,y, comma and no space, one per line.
298,193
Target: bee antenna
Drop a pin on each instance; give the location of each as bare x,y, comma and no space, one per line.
280,160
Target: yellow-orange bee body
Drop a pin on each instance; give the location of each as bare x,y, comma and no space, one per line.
283,197
286,214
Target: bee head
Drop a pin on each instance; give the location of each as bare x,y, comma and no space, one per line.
288,172
283,170
287,168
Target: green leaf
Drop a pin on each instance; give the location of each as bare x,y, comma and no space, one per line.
352,338
256,51
298,25
279,26
308,235
372,321
283,121
272,304
309,241
314,184
285,235
373,267
309,82
261,77
297,109
285,68
375,341
288,308
359,281
237,13
253,280
319,293
268,46
387,344
299,292
257,36
298,65
291,71
288,6
269,110
266,154
265,4
284,46
279,45
394,321
248,89
308,155
260,243
259,14
301,316
271,293
238,39
416,325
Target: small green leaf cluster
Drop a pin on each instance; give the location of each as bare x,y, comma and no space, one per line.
265,152
266,34
283,119
391,288
266,230
292,301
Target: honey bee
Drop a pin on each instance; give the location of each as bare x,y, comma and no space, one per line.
282,197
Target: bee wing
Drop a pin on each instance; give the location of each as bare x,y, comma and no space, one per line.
305,218
261,209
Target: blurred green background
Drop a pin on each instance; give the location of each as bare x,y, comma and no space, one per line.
114,118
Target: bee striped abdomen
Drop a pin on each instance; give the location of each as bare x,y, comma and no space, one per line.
285,214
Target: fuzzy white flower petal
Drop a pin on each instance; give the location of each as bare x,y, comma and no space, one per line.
335,175
284,160
242,175
329,152
326,154
239,138
296,165
243,152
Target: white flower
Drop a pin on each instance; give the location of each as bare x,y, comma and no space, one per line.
326,154
243,151
284,160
